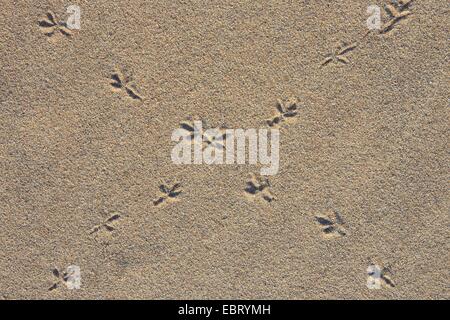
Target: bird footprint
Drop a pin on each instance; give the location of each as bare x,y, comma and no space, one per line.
124,83
167,194
51,26
259,187
107,225
331,226
285,110
338,55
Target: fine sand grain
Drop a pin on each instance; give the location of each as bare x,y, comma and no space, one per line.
86,176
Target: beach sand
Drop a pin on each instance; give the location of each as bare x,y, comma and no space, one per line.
82,160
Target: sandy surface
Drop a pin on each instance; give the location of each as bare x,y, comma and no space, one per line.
370,142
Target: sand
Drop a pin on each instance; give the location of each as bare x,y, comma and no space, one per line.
82,160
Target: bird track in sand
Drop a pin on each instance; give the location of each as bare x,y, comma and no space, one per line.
285,110
167,194
338,56
107,225
396,11
259,187
331,225
125,83
52,26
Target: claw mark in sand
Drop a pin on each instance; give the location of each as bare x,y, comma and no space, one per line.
397,11
61,278
338,56
125,83
259,187
70,277
378,276
107,225
285,110
167,194
331,226
217,140
51,26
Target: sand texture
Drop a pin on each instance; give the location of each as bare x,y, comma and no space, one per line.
85,148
